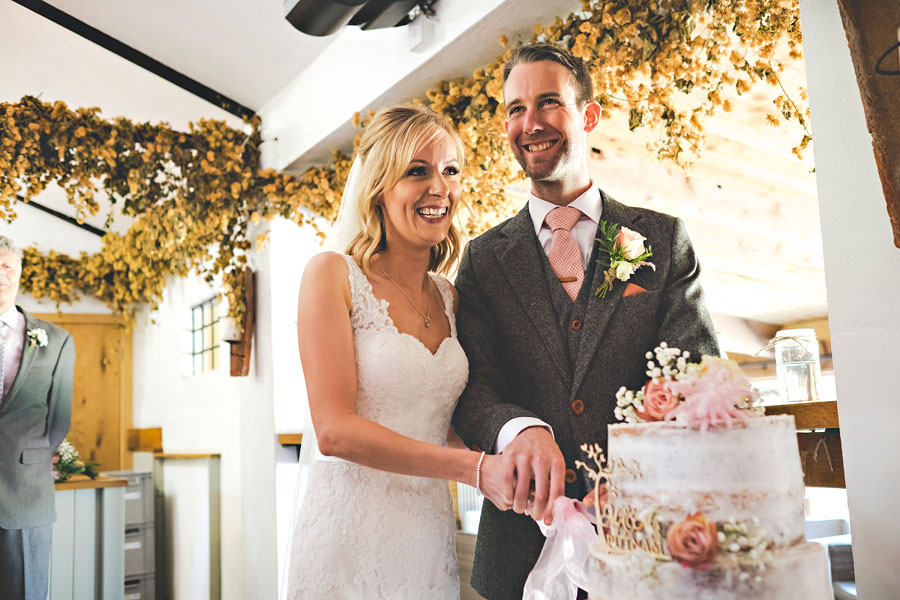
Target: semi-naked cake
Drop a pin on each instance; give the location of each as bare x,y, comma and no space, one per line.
705,495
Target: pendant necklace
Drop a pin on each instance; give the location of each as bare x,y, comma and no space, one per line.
427,314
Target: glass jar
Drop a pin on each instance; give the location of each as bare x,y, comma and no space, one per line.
797,365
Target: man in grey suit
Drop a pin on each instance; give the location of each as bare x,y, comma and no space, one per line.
546,354
37,360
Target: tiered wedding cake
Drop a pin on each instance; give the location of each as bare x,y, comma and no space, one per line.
705,495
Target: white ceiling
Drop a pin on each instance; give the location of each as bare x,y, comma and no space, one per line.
749,205
244,49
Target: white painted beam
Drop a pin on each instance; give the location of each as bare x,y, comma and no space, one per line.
862,270
362,70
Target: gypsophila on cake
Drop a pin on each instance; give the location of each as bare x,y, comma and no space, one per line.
705,493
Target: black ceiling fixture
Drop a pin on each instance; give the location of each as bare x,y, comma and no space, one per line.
324,17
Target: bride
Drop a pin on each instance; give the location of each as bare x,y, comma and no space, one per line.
383,369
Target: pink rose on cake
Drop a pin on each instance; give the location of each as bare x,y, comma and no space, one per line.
658,401
693,542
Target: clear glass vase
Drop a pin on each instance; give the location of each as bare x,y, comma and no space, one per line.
797,365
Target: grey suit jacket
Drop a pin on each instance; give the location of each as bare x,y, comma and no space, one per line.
34,419
519,364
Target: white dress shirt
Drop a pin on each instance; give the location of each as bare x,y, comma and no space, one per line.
12,336
590,203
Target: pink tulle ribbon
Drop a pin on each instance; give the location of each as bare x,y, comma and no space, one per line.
562,567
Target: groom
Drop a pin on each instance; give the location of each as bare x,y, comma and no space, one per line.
546,354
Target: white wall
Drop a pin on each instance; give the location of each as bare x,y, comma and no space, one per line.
258,438
862,271
198,414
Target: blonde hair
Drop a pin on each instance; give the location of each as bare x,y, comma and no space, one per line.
387,147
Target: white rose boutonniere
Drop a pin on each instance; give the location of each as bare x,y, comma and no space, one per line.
624,252
36,337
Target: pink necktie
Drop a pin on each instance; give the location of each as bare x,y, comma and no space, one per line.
564,253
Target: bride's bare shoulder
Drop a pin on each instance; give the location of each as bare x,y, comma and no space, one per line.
326,264
327,271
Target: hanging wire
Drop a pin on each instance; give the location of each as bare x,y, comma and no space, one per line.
878,68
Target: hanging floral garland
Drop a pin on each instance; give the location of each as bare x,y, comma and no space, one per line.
665,65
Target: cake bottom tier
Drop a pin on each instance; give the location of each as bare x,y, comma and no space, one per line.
796,573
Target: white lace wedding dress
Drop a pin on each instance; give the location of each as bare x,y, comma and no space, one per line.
367,534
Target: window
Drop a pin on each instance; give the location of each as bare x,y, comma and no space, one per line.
205,336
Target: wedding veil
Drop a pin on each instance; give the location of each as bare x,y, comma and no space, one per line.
349,221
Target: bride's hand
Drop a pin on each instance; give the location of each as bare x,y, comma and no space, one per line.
495,485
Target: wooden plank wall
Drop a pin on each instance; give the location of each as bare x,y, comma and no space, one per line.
101,403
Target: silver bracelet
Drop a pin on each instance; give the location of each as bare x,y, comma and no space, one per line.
478,472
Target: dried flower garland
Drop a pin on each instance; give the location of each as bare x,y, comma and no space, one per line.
663,64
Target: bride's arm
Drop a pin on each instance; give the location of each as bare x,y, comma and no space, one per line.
329,365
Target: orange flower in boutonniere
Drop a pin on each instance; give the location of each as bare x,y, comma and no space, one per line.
624,252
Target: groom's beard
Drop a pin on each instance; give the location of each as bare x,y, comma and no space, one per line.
551,169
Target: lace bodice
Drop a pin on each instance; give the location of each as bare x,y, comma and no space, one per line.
363,533
400,383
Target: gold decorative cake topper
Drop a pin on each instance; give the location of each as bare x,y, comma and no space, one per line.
622,529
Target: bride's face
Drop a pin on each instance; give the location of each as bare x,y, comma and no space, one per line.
419,207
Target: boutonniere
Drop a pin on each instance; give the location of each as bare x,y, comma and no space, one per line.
37,337
624,252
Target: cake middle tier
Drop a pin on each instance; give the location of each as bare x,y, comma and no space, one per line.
748,473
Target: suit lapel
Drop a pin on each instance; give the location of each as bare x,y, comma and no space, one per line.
27,358
521,262
599,310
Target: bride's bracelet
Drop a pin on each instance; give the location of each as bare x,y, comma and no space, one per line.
478,472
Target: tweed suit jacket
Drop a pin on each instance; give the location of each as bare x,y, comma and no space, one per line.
519,364
34,419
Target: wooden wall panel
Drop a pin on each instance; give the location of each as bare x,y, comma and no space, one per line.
101,403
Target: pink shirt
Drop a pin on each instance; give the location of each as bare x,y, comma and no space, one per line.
12,336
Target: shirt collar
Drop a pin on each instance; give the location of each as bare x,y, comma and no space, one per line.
590,203
11,317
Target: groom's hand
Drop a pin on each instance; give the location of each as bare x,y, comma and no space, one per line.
537,467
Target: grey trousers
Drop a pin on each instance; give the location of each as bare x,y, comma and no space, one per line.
25,563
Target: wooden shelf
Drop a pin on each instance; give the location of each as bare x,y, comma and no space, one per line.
809,415
145,440
290,439
820,451
83,482
183,456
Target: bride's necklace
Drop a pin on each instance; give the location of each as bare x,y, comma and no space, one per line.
427,314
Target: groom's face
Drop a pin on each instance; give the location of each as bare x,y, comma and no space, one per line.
544,124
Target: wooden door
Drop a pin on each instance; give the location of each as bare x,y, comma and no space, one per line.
101,402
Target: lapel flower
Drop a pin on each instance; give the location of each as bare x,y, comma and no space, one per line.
622,253
37,337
